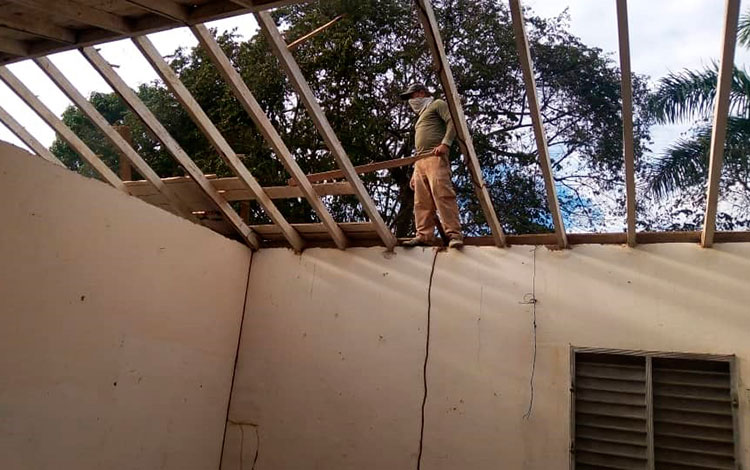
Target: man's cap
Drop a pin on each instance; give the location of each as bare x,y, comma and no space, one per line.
413,88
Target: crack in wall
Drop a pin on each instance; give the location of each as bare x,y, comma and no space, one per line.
426,355
242,441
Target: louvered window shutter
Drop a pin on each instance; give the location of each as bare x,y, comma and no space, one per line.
634,411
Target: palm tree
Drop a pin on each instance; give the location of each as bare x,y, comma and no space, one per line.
689,95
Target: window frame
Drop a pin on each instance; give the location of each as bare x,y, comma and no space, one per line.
731,360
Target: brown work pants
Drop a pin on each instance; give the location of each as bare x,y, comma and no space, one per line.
433,189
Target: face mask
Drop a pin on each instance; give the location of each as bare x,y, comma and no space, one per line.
420,104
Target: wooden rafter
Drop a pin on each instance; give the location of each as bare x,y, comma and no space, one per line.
82,13
296,78
215,137
272,137
37,27
161,133
123,148
527,67
628,138
721,117
29,140
164,8
14,46
465,141
62,130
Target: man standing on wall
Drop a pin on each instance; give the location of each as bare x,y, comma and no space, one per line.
431,181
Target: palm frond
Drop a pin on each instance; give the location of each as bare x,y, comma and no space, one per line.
682,165
743,31
691,93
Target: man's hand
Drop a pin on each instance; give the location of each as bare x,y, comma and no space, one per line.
441,150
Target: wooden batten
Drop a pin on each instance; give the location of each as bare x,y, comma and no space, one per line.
124,149
29,140
293,72
216,139
64,131
161,133
721,117
545,162
271,136
628,137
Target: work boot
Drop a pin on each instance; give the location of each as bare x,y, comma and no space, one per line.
456,242
416,241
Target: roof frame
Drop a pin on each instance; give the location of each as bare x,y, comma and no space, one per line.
29,140
721,117
545,162
217,140
123,148
463,135
83,13
628,137
160,132
28,97
316,113
243,94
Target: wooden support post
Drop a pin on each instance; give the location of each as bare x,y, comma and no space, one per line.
628,137
721,116
465,142
62,130
272,137
293,72
24,136
120,138
213,135
126,171
527,67
161,133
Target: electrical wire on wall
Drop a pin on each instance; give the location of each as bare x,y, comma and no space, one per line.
530,299
426,354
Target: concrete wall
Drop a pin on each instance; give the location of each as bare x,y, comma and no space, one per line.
118,326
330,368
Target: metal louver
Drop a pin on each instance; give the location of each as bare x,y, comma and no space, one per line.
693,414
637,410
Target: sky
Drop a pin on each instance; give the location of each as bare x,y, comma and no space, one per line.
665,35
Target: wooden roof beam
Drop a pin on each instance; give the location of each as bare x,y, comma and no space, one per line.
123,148
272,137
161,133
527,67
165,8
82,13
14,47
721,116
215,137
29,140
37,27
628,137
297,79
62,130
465,142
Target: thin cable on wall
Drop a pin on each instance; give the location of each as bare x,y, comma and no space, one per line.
426,355
530,299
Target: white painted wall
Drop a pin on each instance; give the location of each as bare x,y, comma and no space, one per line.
330,368
118,326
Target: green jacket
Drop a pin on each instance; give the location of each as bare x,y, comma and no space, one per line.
434,127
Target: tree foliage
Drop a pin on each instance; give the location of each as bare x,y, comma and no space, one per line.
356,69
679,175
